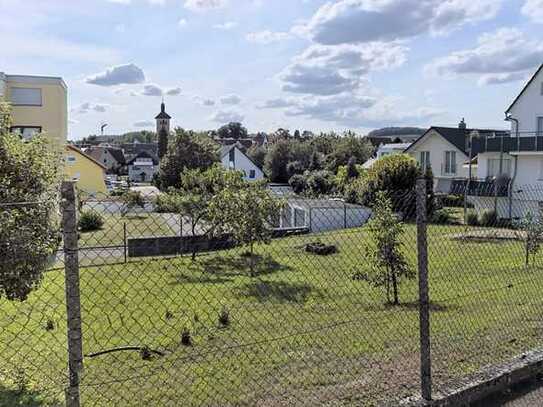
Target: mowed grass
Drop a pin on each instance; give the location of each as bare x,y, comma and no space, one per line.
301,331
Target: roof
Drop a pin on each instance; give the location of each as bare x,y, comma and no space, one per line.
525,88
116,153
163,114
143,154
223,150
455,135
37,79
395,146
77,150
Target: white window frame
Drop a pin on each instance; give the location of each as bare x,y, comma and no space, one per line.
25,96
424,160
449,166
70,159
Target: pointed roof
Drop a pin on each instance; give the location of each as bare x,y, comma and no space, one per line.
163,114
525,87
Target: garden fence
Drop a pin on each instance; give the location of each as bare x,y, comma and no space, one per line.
138,307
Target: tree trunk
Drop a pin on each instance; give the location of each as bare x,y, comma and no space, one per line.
395,288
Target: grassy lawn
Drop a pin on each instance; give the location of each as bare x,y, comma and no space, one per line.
301,332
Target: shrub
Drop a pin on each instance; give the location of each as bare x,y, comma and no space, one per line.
472,219
395,175
298,184
489,217
442,217
224,317
186,338
320,182
90,221
456,201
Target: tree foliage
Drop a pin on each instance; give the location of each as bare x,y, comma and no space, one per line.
257,155
186,151
275,165
132,199
532,227
388,266
346,147
30,177
233,130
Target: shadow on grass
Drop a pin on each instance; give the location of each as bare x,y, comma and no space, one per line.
24,398
235,266
410,306
200,278
277,291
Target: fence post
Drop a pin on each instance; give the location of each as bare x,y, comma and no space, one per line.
124,241
73,304
424,303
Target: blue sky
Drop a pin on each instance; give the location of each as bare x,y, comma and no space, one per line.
298,64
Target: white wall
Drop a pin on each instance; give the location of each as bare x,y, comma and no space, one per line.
242,163
529,107
437,145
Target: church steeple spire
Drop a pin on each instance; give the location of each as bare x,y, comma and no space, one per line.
163,119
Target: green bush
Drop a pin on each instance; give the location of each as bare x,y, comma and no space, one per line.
472,219
90,221
489,217
443,217
456,201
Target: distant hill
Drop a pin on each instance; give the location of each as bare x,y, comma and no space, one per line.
396,131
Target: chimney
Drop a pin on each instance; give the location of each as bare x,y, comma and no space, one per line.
462,124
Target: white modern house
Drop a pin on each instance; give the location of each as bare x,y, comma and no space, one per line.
446,150
516,157
233,158
384,150
142,167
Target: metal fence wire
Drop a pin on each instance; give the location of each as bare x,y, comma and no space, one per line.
140,307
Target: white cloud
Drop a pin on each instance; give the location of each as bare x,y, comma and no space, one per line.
204,5
230,100
226,116
533,9
267,37
227,25
88,107
182,22
356,21
152,90
173,92
208,102
144,123
118,75
329,70
277,103
502,56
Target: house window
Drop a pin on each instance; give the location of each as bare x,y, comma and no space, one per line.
70,160
26,97
424,160
26,132
540,126
494,167
252,174
450,162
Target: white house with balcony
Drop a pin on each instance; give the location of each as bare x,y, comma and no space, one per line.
384,150
142,167
515,157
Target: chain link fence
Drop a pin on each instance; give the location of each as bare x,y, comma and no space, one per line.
344,304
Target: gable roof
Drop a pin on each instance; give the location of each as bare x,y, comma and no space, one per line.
77,150
117,153
456,136
143,154
223,150
525,88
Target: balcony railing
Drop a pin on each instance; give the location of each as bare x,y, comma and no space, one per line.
479,187
525,142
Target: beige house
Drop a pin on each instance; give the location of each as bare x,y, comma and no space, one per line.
38,104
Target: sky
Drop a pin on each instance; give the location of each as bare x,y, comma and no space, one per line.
297,64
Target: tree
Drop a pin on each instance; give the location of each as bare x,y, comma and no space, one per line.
388,266
257,155
162,143
533,230
199,188
296,134
352,169
247,213
186,151
233,130
275,164
30,177
319,183
346,147
315,162
131,200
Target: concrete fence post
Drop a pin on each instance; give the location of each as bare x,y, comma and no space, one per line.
73,304
424,303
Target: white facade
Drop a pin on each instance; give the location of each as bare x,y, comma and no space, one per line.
233,158
445,159
384,150
528,107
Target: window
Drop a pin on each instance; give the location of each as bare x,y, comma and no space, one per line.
450,162
26,132
26,97
424,160
70,159
493,170
540,126
252,174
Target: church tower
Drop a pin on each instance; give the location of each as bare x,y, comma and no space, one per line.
163,120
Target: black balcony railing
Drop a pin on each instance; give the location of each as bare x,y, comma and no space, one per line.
525,142
479,187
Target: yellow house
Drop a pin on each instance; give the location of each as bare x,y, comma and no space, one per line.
89,173
38,104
